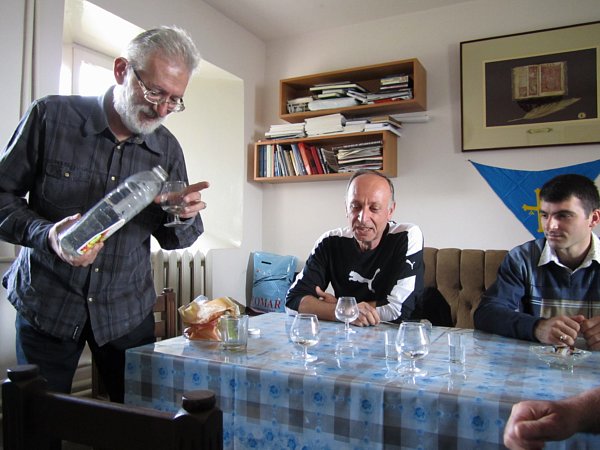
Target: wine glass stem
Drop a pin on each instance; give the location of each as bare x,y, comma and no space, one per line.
413,366
305,353
347,329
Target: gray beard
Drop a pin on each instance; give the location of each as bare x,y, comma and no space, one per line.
129,112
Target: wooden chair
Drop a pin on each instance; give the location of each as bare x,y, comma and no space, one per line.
34,418
165,326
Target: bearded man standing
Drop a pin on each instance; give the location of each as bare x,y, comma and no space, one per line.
67,153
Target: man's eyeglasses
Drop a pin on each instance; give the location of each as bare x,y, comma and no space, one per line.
157,98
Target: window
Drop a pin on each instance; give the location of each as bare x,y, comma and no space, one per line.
92,72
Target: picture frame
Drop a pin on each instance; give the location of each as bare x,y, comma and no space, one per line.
533,89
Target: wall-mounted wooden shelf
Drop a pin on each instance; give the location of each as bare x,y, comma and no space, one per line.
368,77
390,149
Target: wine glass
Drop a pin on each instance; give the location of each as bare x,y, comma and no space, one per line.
171,200
412,341
305,332
346,310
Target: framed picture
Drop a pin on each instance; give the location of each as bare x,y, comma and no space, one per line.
533,89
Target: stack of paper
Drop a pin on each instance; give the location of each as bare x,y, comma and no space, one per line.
286,130
364,155
355,126
388,123
331,123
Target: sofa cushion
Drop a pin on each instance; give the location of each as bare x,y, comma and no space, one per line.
461,276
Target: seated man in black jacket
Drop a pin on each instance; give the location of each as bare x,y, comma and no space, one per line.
375,260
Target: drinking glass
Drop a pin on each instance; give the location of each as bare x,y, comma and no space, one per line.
346,310
171,200
305,332
412,342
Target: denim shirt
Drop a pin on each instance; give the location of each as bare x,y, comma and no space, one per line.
62,160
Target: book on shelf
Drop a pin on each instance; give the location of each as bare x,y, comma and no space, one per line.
383,127
337,85
355,126
331,103
346,154
386,119
357,155
305,158
288,160
393,93
314,151
299,104
376,142
397,87
300,169
330,95
287,154
395,79
330,160
286,130
330,123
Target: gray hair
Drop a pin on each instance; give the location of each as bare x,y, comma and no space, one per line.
171,42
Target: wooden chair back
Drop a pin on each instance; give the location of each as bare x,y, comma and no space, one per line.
165,326
34,418
165,314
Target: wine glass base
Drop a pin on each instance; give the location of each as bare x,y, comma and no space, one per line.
310,358
299,356
416,372
344,331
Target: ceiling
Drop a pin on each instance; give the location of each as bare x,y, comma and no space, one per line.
272,19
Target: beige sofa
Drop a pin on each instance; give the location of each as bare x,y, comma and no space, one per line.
461,276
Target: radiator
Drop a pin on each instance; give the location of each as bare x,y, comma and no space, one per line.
182,270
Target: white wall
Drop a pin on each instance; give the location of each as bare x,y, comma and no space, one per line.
437,187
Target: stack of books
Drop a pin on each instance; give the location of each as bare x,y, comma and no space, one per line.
363,155
355,125
296,105
388,123
391,89
295,159
286,130
334,95
330,123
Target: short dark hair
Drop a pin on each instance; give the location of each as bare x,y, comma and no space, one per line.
360,172
562,187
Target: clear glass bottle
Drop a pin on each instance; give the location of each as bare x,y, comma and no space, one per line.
113,211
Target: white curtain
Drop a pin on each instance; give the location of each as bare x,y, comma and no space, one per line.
28,88
28,79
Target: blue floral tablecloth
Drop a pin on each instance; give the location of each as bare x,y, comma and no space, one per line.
353,396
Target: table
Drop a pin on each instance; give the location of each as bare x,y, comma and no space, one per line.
353,397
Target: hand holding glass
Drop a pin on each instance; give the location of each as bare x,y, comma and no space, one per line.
305,332
346,310
412,342
171,200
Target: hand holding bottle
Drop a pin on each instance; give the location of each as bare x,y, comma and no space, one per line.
76,261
